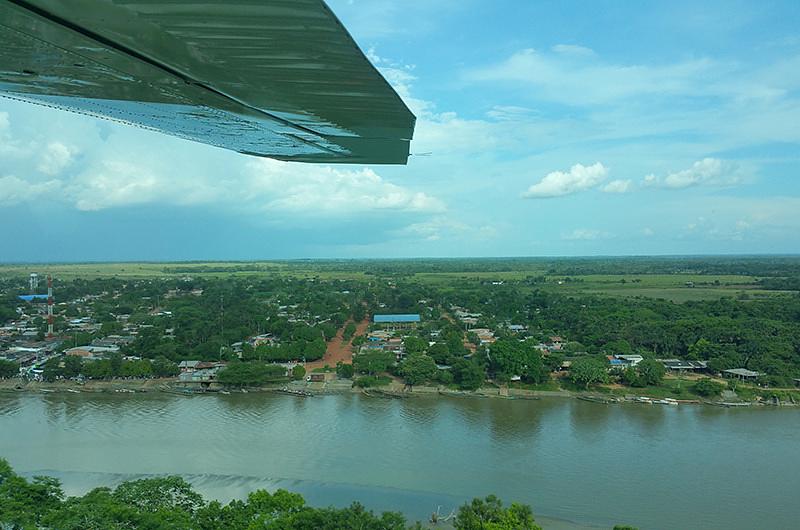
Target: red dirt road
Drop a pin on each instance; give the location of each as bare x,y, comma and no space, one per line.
338,349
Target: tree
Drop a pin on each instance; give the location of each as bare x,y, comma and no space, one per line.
413,345
588,371
162,493
508,357
372,363
489,514
440,352
708,387
8,369
163,367
651,371
349,331
298,372
72,366
252,373
170,503
417,369
344,370
116,363
469,374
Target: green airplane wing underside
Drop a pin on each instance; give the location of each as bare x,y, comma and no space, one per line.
275,78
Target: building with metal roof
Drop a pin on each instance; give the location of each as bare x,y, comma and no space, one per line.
395,319
741,373
32,297
400,321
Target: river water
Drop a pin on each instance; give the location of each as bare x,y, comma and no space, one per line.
655,467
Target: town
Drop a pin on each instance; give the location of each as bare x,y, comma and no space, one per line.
381,335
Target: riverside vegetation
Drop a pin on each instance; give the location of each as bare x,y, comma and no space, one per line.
170,503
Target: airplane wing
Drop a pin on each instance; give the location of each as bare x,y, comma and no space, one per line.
275,78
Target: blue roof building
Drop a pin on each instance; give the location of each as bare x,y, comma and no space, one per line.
30,297
395,319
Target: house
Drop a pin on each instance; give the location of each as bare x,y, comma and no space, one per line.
556,343
631,360
80,352
486,336
742,374
188,366
679,365
517,328
258,340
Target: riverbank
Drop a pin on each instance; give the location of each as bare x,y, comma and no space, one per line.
394,390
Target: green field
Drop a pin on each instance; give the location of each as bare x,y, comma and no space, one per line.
525,276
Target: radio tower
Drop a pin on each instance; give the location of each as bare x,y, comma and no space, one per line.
49,307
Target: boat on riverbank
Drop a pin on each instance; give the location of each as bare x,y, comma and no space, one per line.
597,399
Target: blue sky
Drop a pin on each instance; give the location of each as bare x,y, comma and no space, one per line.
544,128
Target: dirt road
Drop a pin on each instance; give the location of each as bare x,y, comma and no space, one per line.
338,349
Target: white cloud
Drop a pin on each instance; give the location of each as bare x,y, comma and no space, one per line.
440,227
562,76
509,113
558,183
14,190
585,234
259,185
55,158
573,49
617,186
325,190
648,232
708,171
433,229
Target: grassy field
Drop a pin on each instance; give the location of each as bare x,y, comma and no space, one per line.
678,287
69,271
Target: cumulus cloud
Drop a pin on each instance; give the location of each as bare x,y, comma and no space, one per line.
260,185
55,158
708,171
320,189
617,186
559,183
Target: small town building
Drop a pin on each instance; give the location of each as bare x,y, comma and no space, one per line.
742,374
188,366
400,321
556,343
680,365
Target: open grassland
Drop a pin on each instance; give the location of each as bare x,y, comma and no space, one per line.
675,287
70,271
678,287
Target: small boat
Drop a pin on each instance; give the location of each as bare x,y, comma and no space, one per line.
73,391
225,392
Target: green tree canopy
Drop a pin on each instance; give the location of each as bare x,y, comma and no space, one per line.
417,369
